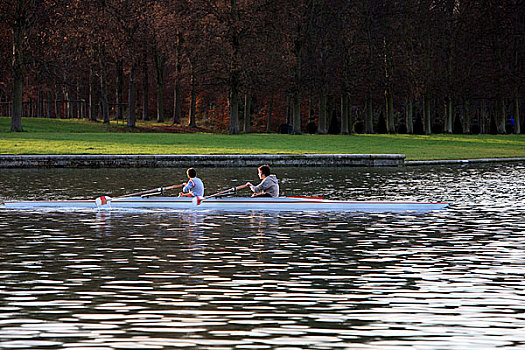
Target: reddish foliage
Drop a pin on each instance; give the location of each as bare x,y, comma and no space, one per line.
79,50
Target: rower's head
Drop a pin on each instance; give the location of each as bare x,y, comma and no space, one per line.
264,171
191,173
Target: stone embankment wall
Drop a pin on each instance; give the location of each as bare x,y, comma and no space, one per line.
184,161
461,161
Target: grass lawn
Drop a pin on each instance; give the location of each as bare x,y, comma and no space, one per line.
52,136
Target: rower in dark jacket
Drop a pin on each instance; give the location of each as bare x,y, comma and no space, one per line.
269,186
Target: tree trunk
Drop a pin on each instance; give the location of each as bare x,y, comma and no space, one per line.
270,111
78,101
67,103
234,107
427,118
288,109
518,64
298,51
177,98
131,95
120,82
297,92
18,77
483,118
234,112
40,109
389,109
160,64
409,116
145,89
322,115
92,114
104,99
28,108
83,108
49,114
449,119
369,115
193,103
247,112
235,73
310,109
517,121
389,101
344,114
297,113
58,107
467,117
330,115
500,115
446,124
390,125
104,87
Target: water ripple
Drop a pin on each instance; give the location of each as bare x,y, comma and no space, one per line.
160,280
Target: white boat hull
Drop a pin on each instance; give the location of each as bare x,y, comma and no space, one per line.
231,203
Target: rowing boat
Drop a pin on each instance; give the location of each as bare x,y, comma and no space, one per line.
229,203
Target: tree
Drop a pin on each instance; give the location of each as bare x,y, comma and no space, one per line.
433,59
23,17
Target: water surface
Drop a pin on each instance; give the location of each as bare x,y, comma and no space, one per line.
448,279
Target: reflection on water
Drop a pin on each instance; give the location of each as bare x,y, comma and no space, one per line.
279,280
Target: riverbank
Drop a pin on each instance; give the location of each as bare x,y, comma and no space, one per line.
187,160
225,161
48,137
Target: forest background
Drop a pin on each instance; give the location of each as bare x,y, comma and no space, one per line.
337,66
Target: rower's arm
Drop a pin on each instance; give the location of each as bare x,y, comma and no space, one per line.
260,187
188,186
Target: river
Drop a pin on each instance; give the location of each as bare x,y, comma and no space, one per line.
450,279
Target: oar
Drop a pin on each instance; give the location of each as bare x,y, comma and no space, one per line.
104,200
159,189
198,200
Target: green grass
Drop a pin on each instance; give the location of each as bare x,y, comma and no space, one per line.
52,136
36,125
